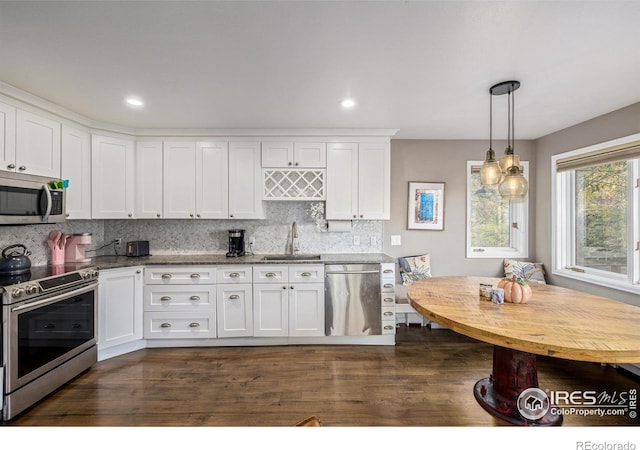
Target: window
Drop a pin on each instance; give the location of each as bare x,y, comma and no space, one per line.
496,228
596,214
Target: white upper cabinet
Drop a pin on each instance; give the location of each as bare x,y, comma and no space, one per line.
7,138
76,167
358,181
245,181
212,180
149,180
37,145
295,155
112,178
179,181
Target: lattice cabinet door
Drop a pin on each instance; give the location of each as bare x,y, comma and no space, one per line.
292,184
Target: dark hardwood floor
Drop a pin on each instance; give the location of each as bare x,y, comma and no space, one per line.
425,380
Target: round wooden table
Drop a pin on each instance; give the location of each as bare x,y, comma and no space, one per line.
557,322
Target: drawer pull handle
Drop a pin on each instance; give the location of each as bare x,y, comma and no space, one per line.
194,325
195,275
234,297
388,285
389,300
166,276
165,325
388,313
305,274
387,271
234,275
388,327
165,298
194,298
269,274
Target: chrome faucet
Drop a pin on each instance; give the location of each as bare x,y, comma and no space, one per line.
295,247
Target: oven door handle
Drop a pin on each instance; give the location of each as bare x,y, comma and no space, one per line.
47,211
54,299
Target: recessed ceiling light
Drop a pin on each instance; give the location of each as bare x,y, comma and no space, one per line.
348,103
135,102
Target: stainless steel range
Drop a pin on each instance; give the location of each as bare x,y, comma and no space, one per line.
49,321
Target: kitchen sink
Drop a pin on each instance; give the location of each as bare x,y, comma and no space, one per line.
292,258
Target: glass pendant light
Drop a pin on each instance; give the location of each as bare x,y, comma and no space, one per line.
514,186
490,171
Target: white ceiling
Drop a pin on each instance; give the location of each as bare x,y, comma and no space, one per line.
423,67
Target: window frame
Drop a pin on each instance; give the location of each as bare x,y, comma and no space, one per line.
563,252
518,213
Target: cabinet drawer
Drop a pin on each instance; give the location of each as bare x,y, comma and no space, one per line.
180,275
388,313
184,298
388,327
388,286
179,325
306,273
271,274
388,300
387,272
235,274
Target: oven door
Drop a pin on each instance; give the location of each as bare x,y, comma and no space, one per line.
46,332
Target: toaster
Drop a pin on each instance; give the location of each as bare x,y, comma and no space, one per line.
138,248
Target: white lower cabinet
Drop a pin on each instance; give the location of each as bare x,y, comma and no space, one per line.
270,309
119,307
180,302
306,309
235,301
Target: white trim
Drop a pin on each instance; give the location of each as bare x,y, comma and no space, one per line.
563,222
518,212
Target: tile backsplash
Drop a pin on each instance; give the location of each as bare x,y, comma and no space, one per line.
174,236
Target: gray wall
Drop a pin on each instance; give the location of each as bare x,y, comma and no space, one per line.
610,126
445,161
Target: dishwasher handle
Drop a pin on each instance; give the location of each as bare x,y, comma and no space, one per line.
352,271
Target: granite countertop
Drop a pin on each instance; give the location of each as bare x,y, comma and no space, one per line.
112,262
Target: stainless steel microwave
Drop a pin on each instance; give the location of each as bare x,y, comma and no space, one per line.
28,199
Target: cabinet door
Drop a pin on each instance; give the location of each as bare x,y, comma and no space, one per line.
270,309
306,309
310,154
76,167
112,178
374,178
119,307
212,180
7,138
179,180
234,310
37,145
149,179
245,181
277,154
342,181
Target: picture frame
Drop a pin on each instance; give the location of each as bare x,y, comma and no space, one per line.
426,206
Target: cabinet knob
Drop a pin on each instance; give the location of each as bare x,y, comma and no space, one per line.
389,300
195,298
269,274
290,287
138,271
166,276
231,215
195,276
165,298
198,216
355,217
194,324
11,166
297,164
234,275
130,215
388,327
234,297
22,168
361,216
305,274
191,215
66,215
165,325
289,162
158,215
284,287
388,285
388,313
387,271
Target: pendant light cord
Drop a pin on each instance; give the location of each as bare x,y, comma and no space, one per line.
490,119
513,120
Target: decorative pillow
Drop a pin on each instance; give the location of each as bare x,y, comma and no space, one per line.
414,268
528,271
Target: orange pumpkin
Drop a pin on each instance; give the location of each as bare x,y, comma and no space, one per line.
515,291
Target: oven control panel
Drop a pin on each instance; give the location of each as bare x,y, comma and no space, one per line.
47,285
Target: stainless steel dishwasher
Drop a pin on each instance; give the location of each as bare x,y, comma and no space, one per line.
352,299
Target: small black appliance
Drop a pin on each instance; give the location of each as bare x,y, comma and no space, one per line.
236,243
138,248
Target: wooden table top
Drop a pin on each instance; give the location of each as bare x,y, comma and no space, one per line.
555,322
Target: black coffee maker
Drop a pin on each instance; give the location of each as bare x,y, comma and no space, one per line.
236,243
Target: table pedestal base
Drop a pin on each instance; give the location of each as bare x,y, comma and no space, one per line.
513,372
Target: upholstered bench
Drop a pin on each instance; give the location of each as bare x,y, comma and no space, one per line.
403,306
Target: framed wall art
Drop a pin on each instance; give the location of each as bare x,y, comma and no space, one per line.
426,206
